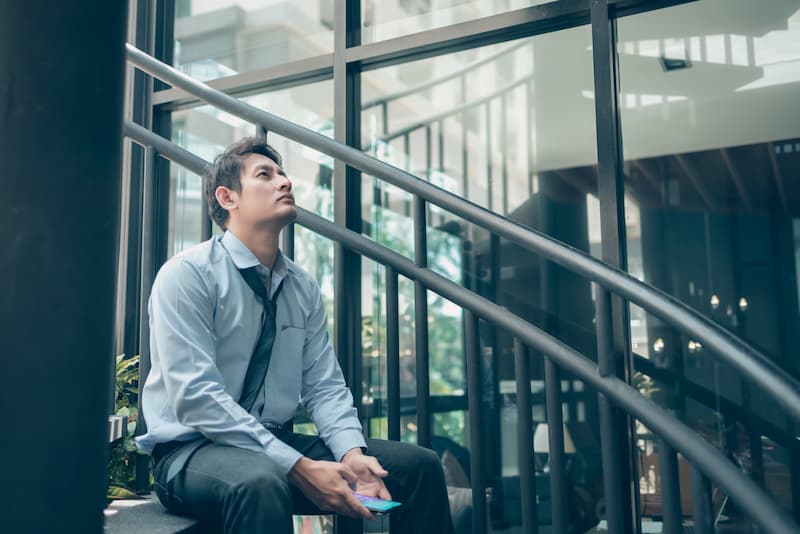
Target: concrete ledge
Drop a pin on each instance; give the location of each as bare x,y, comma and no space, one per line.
145,516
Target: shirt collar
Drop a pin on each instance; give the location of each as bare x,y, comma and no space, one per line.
243,257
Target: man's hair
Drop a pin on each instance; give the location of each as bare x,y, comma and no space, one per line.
226,171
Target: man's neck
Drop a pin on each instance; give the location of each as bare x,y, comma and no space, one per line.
262,242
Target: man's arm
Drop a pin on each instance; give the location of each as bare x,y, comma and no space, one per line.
324,391
330,405
184,349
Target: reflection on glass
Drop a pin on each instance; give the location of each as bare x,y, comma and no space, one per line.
218,38
385,19
206,131
711,134
511,128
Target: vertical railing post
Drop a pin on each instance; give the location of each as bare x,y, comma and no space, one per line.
407,151
504,150
488,124
609,441
347,209
529,134
611,194
753,436
148,273
409,166
464,155
428,152
555,433
441,145
527,474
701,503
474,382
421,327
794,466
670,488
393,354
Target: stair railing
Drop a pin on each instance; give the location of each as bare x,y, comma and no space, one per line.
750,363
783,388
706,458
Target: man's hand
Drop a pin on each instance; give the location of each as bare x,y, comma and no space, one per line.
329,485
368,472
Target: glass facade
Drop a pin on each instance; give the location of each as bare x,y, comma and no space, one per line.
216,39
708,95
496,125
382,20
711,133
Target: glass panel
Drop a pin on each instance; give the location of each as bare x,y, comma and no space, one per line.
219,38
382,19
709,99
511,128
206,131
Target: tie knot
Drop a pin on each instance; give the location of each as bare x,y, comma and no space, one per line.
253,280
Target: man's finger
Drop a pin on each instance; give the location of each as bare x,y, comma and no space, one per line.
348,474
383,493
378,470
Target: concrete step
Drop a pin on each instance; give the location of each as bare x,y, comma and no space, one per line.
145,515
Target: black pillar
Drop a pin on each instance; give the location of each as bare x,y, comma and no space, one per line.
61,92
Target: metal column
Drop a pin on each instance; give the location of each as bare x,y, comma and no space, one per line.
61,139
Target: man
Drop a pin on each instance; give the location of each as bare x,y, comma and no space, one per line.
238,337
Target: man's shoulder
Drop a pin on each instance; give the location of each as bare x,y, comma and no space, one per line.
298,272
305,284
197,259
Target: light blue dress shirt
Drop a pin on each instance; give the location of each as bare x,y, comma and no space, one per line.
204,324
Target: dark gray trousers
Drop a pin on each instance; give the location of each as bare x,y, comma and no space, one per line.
235,491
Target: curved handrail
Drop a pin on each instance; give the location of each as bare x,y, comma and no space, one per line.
782,387
441,79
466,106
761,508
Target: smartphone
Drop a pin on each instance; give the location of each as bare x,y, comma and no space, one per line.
374,504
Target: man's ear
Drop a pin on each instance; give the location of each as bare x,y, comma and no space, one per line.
225,197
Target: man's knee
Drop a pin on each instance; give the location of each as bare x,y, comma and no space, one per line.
430,464
260,486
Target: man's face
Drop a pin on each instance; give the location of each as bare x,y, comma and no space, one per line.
266,194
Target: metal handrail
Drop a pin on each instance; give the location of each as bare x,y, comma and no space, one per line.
778,384
744,491
380,101
461,108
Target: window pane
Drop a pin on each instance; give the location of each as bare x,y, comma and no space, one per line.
709,96
219,38
382,19
511,128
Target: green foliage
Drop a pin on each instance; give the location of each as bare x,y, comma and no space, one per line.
122,459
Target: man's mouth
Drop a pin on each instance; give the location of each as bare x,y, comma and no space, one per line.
286,197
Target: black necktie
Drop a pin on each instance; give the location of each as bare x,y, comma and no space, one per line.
259,363
256,370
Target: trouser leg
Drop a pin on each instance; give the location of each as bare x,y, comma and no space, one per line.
229,490
416,480
238,491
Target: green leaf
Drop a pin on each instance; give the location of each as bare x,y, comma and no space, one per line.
120,492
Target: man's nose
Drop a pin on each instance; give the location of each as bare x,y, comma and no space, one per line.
286,184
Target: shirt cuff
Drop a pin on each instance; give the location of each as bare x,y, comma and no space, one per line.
343,441
284,455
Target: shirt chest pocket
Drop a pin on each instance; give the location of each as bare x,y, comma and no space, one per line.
285,372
